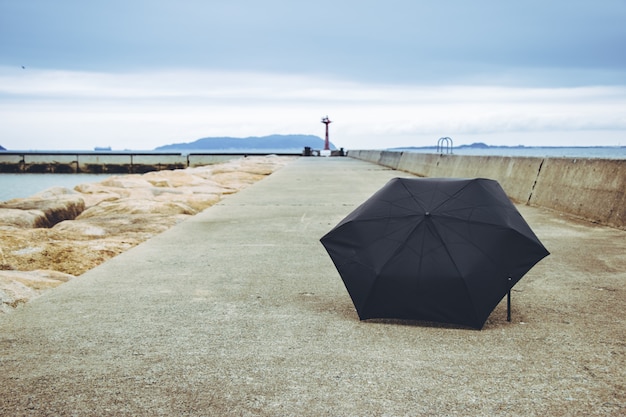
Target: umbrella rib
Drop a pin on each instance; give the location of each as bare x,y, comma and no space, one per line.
395,252
456,267
413,197
472,243
494,225
450,213
401,246
452,196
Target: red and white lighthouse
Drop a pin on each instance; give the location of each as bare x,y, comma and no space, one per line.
326,121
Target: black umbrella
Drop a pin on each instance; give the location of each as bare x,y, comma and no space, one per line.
433,249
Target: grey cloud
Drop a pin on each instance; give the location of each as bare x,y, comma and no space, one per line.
485,41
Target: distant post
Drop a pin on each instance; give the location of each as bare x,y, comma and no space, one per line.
326,121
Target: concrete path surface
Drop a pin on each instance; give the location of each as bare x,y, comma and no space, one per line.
239,312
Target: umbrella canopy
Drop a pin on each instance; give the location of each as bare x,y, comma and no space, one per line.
434,249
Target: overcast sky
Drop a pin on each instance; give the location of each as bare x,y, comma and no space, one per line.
137,74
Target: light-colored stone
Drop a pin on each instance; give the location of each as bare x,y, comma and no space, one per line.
80,229
13,217
94,193
18,287
132,206
56,204
126,181
13,293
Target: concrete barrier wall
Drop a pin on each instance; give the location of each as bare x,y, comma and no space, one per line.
593,189
369,156
390,159
515,175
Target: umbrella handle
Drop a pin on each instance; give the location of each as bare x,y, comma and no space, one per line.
508,306
508,302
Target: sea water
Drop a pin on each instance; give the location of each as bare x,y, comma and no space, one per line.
25,185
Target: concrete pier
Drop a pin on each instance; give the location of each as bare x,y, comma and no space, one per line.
239,312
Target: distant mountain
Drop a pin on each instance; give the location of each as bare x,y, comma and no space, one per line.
475,145
2,148
270,143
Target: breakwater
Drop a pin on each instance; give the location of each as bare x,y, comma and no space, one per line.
106,162
592,189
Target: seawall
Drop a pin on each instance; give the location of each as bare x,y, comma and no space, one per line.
588,188
107,162
102,162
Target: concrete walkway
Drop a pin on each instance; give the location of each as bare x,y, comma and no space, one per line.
239,312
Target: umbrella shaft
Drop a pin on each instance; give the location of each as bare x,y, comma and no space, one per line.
508,306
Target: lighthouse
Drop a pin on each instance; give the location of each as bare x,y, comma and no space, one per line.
326,121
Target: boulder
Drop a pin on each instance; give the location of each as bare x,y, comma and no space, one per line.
80,229
56,204
132,206
196,201
23,219
13,293
126,181
94,193
17,287
175,178
236,180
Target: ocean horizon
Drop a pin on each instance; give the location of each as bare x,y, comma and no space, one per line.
608,152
